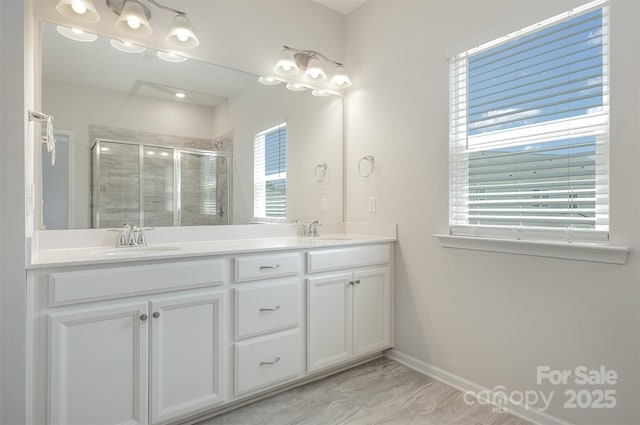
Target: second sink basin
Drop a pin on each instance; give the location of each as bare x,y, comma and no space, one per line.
133,251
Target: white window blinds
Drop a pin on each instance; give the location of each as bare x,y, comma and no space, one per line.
529,117
270,173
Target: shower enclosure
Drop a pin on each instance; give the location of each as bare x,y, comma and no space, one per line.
146,185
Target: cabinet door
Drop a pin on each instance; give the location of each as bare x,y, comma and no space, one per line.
371,311
186,355
328,320
98,366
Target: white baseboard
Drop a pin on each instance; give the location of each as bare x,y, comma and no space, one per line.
462,384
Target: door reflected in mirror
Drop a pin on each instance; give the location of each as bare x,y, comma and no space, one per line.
202,123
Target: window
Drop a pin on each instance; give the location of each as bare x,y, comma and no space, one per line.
270,173
529,117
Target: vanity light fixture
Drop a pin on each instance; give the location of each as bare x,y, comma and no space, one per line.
76,34
293,60
127,46
171,57
83,11
269,81
133,18
295,87
320,93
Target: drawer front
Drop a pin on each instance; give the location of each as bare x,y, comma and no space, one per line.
266,308
344,258
265,266
103,284
265,361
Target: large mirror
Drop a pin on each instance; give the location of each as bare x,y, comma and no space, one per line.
154,141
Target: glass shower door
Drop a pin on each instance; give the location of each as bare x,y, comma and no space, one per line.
117,183
204,189
158,186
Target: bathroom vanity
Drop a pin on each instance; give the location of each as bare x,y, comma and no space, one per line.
172,334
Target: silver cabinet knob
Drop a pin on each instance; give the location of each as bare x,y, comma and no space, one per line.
156,314
143,317
358,282
351,282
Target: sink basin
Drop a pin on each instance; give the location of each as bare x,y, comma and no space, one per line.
134,251
329,239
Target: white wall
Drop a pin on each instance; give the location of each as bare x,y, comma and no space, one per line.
488,317
17,95
76,107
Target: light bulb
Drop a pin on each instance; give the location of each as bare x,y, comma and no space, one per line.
182,35
133,22
79,8
127,43
181,95
77,31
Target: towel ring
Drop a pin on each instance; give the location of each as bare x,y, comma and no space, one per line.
365,165
320,172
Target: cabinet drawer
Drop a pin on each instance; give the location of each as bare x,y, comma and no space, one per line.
263,361
265,266
103,284
343,258
266,307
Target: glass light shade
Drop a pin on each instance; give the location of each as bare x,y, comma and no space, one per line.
320,93
340,78
314,71
171,57
287,64
126,46
76,34
296,87
133,19
83,11
269,81
181,32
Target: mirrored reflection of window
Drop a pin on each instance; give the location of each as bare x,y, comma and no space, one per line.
270,173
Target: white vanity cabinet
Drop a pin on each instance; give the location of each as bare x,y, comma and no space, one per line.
166,341
128,358
348,312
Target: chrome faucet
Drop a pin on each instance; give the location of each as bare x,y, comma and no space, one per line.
308,230
131,236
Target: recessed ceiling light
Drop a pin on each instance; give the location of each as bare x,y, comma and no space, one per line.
181,95
127,46
171,57
77,34
269,81
296,87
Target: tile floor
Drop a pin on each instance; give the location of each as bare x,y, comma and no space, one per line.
379,392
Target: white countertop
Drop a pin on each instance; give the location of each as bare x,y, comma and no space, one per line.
108,255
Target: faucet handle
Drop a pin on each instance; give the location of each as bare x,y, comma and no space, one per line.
314,228
141,239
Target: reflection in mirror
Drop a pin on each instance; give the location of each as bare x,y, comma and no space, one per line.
189,143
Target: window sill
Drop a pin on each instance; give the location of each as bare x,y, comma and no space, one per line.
567,250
